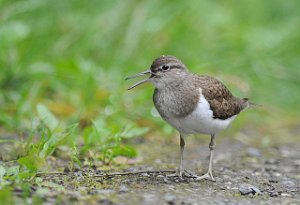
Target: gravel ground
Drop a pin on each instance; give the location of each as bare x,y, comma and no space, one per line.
244,175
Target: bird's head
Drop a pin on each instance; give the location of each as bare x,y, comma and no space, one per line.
163,71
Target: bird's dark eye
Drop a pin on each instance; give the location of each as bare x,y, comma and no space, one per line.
165,67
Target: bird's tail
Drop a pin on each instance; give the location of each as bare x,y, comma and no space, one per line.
247,103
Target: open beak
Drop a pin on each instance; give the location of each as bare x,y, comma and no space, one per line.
147,72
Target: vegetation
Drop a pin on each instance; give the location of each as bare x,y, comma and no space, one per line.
63,64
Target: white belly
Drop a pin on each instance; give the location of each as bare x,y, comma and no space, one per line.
200,121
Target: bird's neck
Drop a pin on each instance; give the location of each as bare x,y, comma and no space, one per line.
172,84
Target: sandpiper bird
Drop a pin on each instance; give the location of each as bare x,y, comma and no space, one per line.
192,104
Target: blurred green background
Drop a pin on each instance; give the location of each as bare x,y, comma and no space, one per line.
72,57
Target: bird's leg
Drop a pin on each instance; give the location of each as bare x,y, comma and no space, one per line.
209,175
182,144
180,170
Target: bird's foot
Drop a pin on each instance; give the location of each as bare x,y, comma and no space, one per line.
188,174
207,176
183,173
178,174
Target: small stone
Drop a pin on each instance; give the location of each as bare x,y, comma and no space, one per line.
272,161
219,180
297,162
228,183
166,180
223,188
253,152
145,175
104,191
273,180
246,189
234,188
160,176
67,170
98,171
277,174
188,202
150,198
106,202
289,183
286,195
170,199
226,177
274,194
123,189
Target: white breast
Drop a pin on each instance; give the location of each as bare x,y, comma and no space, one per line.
200,121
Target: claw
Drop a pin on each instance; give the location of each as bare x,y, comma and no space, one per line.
176,174
182,174
207,176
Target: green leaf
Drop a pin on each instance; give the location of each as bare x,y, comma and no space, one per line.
25,175
52,143
2,172
47,117
14,170
5,141
31,162
130,132
6,196
124,150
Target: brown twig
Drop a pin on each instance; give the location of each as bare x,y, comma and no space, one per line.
133,172
39,174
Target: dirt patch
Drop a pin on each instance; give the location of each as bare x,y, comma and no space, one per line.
244,175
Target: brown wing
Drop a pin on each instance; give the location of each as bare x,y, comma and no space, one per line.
222,102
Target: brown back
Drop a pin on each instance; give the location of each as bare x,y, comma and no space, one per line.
223,104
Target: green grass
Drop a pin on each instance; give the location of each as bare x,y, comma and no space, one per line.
63,64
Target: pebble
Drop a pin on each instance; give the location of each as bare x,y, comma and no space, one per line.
273,180
170,199
246,189
274,194
145,175
150,198
123,189
289,183
277,174
106,202
166,180
226,177
67,170
219,180
286,194
104,191
253,152
272,161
